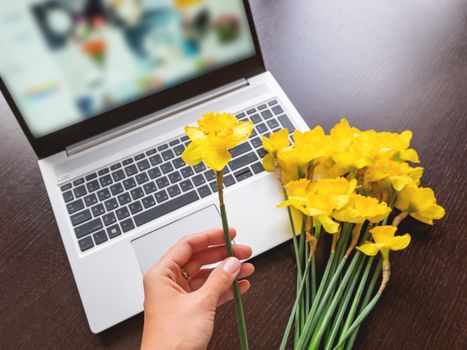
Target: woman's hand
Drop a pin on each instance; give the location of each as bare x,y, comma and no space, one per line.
181,296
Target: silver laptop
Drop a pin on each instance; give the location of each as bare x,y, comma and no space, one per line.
102,90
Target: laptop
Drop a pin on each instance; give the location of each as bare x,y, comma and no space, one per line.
103,90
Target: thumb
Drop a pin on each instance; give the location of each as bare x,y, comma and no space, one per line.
221,278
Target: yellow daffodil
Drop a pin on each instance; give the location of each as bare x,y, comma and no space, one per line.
420,203
360,208
390,144
326,168
310,145
358,155
342,135
399,174
338,190
384,241
273,144
210,141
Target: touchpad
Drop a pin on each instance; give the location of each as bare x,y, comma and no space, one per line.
150,247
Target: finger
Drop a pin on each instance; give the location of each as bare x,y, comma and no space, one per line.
183,250
243,285
213,255
200,278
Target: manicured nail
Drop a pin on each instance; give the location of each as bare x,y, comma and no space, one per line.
231,265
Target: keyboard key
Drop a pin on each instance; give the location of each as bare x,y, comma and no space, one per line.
127,161
141,178
78,182
178,163
90,200
166,168
174,142
213,186
100,237
148,201
154,172
155,160
103,171
266,114
137,193
75,206
175,177
261,107
116,189
251,111
109,219
162,182
65,187
87,228
114,231
85,243
184,138
243,174
186,185
187,172
272,103
261,128
199,167
204,191
115,166
93,186
178,150
150,187
240,149
79,218
241,115
105,180
91,177
273,123
124,198
111,204
174,191
118,175
198,180
68,196
243,160
286,123
151,152
80,191
103,194
210,175
131,170
135,207
162,147
256,142
97,210
257,168
255,118
161,196
261,152
277,110
127,225
143,165
165,208
139,156
229,180
122,213
129,183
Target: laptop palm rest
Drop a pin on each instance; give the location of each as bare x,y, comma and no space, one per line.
152,246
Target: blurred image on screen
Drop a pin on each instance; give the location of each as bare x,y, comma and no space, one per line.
65,61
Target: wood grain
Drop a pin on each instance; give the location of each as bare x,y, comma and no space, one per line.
391,65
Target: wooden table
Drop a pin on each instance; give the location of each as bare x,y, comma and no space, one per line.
388,65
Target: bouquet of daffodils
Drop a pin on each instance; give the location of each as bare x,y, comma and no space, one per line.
345,184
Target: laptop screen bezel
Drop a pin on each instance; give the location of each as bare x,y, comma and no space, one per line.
57,141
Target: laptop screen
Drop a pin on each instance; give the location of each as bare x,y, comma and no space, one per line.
66,61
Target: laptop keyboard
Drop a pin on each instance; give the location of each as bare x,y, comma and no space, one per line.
119,198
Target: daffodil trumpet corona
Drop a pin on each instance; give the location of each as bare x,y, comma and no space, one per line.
211,140
345,183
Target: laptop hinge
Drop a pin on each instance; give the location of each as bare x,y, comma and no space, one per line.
164,113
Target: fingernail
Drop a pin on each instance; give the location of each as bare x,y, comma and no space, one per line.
231,265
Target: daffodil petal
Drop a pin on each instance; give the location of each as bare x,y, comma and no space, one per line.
369,248
216,158
399,242
193,154
194,133
268,163
328,224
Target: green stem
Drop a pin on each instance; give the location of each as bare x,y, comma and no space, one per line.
369,292
292,313
343,306
318,334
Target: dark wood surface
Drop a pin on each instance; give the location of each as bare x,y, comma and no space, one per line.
388,65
